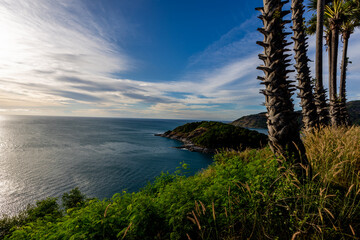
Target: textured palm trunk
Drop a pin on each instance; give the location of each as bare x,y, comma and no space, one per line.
310,116
283,129
334,106
329,47
344,115
320,94
319,43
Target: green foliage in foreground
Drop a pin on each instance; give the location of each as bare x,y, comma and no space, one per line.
217,135
73,199
243,195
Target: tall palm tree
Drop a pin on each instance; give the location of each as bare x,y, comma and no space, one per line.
318,28
336,13
347,28
310,116
282,124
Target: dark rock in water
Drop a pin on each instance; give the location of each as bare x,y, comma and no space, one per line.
208,137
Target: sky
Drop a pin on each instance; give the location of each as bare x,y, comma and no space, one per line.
137,59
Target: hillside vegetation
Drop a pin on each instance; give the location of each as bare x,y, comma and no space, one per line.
259,120
243,195
217,135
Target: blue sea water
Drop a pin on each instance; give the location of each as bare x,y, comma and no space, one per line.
46,156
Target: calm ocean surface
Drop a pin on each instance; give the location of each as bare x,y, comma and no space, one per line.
46,156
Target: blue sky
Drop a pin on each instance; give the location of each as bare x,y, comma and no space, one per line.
139,58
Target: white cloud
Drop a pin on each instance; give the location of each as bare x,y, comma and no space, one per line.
42,41
56,58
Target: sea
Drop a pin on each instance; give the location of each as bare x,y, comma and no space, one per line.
46,156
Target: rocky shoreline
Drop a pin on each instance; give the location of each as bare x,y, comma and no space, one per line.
187,144
210,136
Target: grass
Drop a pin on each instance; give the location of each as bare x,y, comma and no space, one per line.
335,154
243,195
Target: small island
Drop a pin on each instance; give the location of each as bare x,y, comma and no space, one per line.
210,136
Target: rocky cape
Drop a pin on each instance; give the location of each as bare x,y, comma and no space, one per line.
187,144
208,137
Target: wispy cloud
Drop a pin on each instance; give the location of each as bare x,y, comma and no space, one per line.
43,42
235,44
57,58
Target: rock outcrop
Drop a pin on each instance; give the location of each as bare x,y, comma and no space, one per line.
208,137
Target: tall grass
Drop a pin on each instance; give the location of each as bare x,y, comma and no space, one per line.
335,154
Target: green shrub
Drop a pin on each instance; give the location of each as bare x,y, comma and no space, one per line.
73,199
44,208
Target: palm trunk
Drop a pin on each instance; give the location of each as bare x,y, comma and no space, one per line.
320,94
344,115
329,44
329,47
334,110
344,63
319,44
283,129
310,116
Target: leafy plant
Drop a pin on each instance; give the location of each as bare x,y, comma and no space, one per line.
73,199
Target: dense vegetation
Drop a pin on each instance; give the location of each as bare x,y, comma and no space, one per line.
243,195
216,135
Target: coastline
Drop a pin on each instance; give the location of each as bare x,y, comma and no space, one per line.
187,144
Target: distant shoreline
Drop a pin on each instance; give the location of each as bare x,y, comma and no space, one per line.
187,144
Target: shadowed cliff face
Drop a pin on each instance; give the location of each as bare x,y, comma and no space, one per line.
252,121
210,136
259,120
354,111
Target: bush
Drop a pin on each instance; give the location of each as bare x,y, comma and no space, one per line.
73,199
44,208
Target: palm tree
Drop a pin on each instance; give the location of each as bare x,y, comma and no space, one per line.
283,129
318,28
310,116
347,28
335,12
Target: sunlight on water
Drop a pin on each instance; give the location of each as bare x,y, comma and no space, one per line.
6,184
46,156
